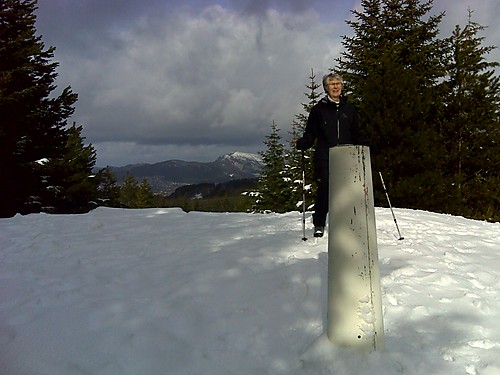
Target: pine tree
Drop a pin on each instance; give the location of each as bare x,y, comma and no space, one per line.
136,195
71,186
109,191
295,164
145,195
32,119
471,128
393,71
273,188
129,190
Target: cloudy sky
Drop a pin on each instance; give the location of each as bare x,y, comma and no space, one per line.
196,79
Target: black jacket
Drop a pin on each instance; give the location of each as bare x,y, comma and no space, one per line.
330,124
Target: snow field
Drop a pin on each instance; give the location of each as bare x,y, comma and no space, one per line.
160,291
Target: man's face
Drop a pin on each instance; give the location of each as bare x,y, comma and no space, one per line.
334,88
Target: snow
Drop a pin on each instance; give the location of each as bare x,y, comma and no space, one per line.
244,156
42,161
160,291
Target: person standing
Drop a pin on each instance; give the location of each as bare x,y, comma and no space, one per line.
332,121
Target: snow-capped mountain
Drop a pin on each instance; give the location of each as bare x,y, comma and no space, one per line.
241,161
166,176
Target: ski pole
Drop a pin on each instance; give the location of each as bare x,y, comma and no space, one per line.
304,238
390,206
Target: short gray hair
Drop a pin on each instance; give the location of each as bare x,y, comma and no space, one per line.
330,77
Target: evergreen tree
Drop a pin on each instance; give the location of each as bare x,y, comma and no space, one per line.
32,119
295,164
274,188
71,186
145,195
109,191
128,192
470,131
136,195
393,71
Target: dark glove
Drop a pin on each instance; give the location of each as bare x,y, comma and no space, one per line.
301,144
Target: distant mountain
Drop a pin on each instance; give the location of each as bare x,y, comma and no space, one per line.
166,176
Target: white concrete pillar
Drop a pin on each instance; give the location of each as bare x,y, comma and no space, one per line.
354,296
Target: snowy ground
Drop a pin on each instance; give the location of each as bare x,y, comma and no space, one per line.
160,291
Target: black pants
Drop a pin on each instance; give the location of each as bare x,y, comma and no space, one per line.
322,182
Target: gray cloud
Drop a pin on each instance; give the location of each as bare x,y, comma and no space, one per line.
161,80
217,78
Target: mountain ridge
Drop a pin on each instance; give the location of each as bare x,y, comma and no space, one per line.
166,176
